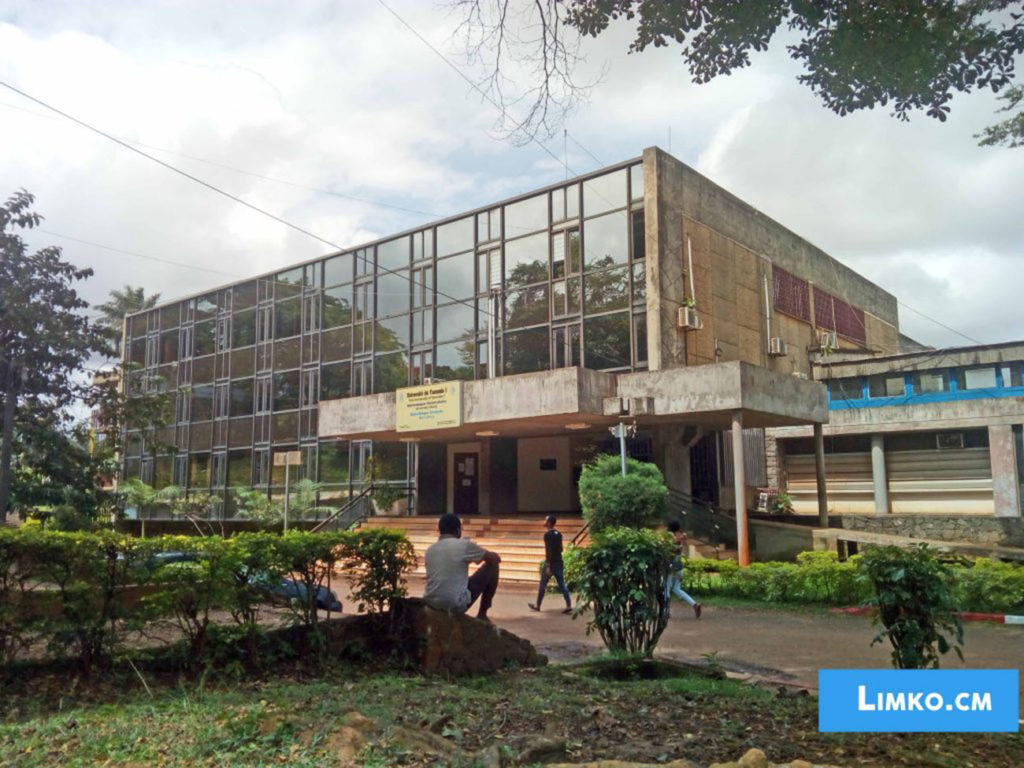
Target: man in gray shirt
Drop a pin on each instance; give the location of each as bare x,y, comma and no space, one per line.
449,585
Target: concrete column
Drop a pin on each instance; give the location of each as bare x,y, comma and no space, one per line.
881,482
740,489
819,472
1005,482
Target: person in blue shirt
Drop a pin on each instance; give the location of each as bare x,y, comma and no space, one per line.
553,565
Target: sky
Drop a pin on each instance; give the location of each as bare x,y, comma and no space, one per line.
336,117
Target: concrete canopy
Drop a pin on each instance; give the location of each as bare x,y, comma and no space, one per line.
578,399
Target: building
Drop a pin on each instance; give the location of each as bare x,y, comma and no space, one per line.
925,443
641,293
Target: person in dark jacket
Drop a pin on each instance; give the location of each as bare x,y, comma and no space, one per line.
553,565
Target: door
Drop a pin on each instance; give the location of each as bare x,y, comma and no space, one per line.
466,476
704,469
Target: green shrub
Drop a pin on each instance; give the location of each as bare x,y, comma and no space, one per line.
376,561
990,585
609,499
621,576
309,558
915,602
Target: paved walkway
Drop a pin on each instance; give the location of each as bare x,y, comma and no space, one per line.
777,644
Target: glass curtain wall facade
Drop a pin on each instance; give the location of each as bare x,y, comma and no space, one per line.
548,280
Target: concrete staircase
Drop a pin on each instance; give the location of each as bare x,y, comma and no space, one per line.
518,539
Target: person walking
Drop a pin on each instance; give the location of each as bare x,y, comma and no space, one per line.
553,565
672,583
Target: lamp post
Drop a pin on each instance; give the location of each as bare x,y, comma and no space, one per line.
622,431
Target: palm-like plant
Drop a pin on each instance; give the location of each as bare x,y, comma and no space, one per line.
122,303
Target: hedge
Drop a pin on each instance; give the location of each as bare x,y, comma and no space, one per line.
819,578
86,596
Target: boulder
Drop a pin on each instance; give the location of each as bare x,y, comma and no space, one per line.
439,641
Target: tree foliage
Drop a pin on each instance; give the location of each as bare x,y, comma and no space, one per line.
610,499
907,55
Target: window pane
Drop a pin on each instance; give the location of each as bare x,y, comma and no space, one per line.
455,278
169,346
639,243
286,354
931,382
606,341
527,351
605,290
455,361
287,318
285,428
455,236
636,182
1011,374
390,372
883,385
335,381
336,344
243,328
526,260
241,397
604,241
239,467
288,283
604,193
978,378
243,296
639,285
286,391
390,460
845,389
202,402
336,306
640,338
527,306
338,269
394,254
204,338
526,216
199,470
333,462
392,334
454,321
393,293
206,306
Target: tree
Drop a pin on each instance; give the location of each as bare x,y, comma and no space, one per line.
908,54
121,304
45,339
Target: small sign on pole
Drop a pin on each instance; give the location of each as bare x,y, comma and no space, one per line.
286,459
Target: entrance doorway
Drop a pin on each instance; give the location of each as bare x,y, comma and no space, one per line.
466,476
704,469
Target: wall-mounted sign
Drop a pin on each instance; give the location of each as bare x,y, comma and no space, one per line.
431,406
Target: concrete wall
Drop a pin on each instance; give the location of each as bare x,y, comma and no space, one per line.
733,247
544,490
779,541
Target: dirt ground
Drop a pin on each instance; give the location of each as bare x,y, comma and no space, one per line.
784,645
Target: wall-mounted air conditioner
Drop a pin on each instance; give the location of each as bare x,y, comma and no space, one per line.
827,339
688,319
777,347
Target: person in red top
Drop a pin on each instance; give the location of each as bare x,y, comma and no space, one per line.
553,565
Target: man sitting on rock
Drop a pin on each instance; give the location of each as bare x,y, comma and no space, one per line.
449,585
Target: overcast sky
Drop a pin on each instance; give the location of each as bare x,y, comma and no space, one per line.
365,131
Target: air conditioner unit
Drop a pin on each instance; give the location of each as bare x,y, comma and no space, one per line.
827,339
688,319
427,381
777,347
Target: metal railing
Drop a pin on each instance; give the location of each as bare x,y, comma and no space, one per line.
702,520
355,511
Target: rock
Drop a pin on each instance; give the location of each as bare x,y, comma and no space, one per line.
543,751
800,764
489,757
422,742
438,641
754,758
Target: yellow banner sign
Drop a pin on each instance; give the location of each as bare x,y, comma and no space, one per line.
431,406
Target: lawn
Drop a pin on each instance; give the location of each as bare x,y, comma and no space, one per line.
295,718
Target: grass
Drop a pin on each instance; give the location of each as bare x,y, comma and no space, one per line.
290,721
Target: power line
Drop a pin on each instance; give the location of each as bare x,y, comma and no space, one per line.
926,317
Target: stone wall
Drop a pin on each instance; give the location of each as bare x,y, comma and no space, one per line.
1008,532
